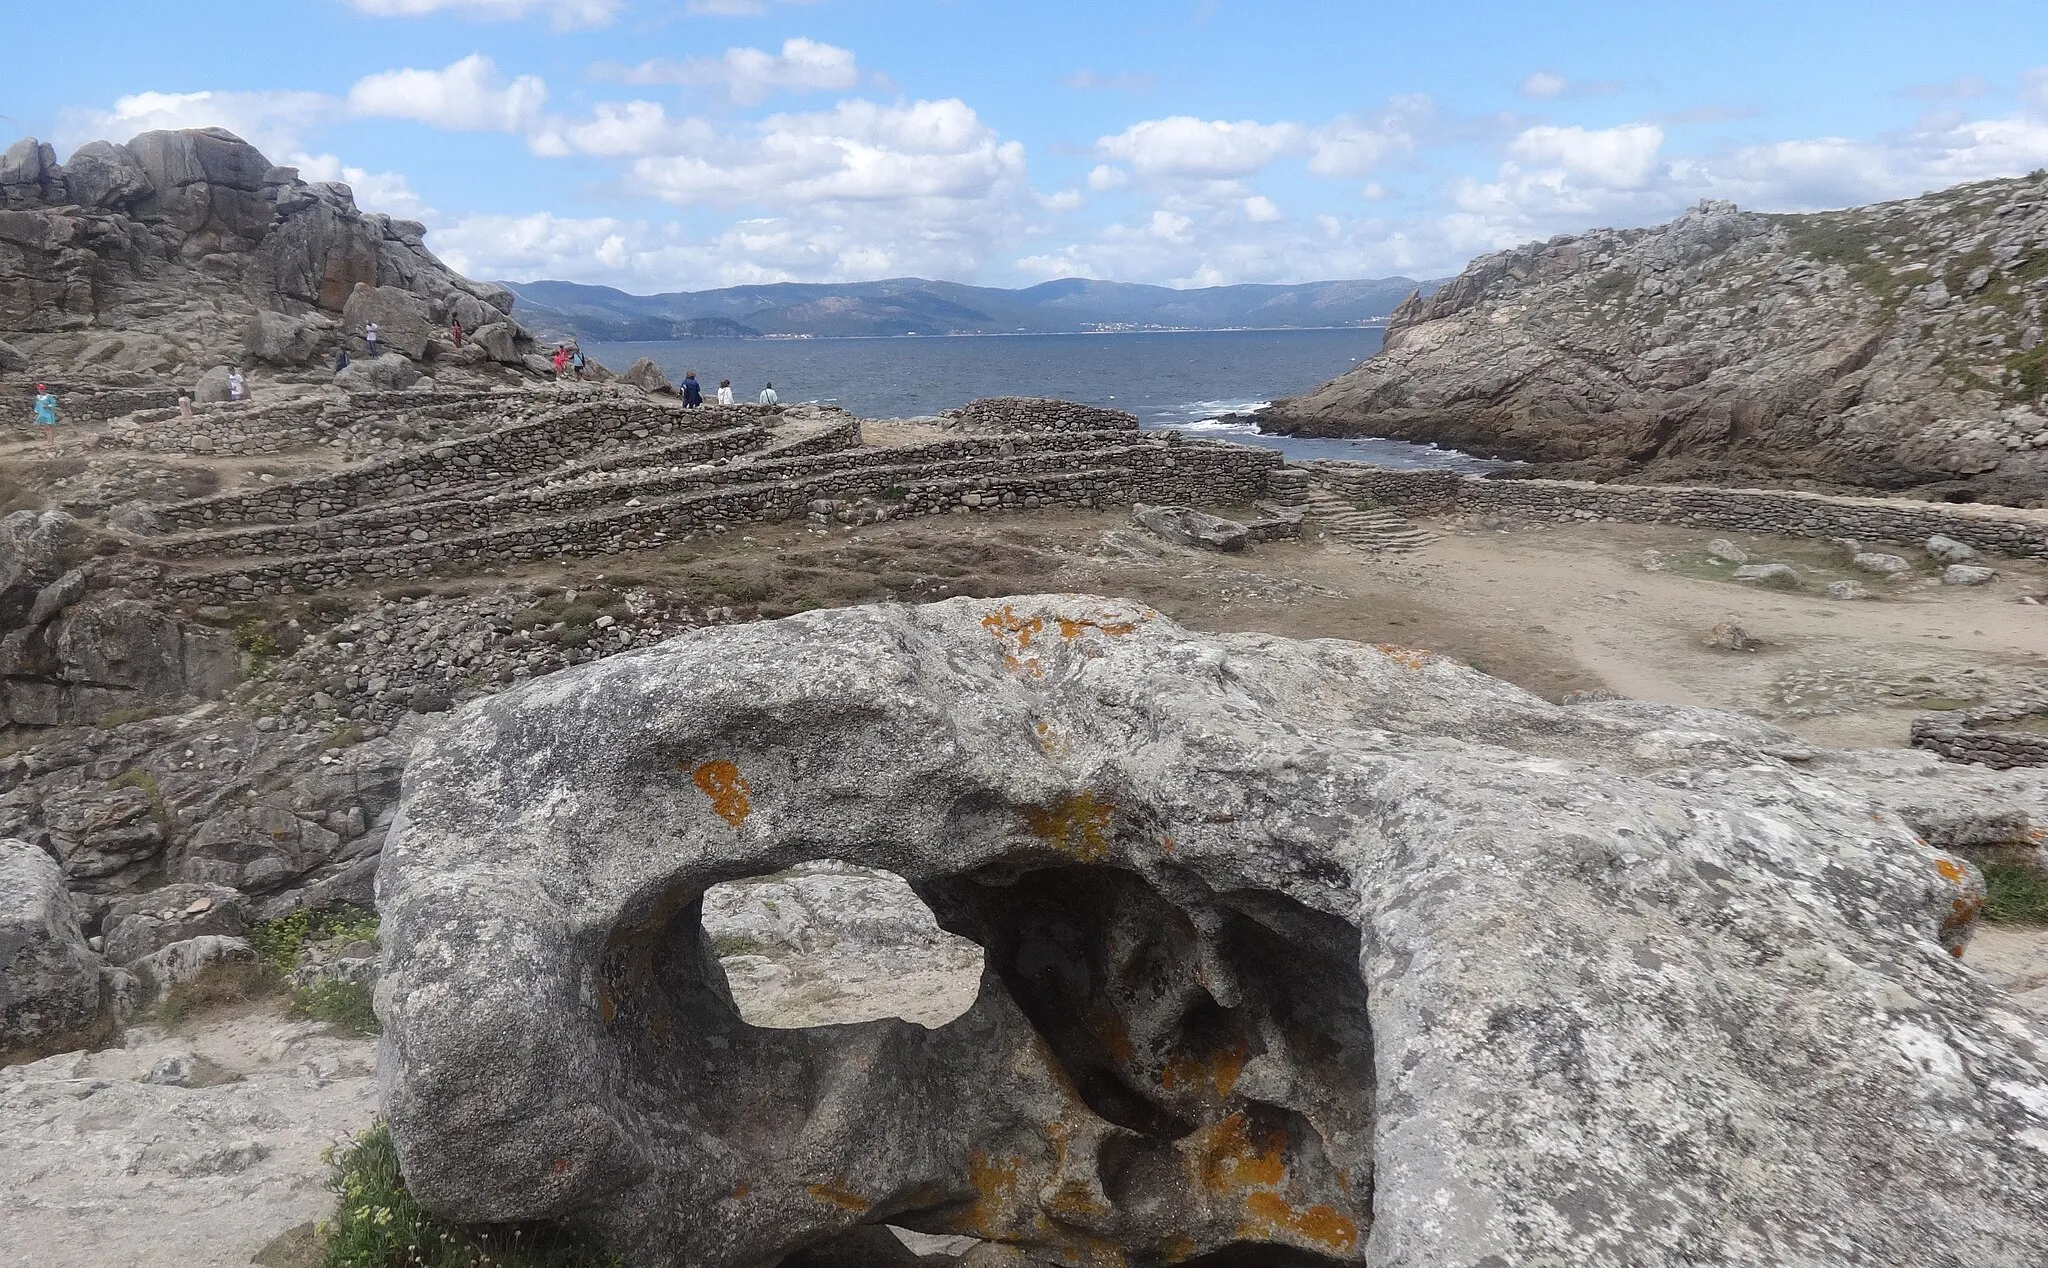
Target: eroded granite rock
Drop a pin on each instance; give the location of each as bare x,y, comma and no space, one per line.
1349,951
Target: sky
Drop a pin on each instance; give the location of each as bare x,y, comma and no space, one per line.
661,145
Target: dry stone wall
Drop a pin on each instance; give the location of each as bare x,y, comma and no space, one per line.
542,444
1989,736
1154,471
1995,529
1034,414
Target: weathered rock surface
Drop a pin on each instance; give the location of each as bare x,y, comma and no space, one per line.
1348,951
1186,526
52,987
1894,346
647,376
389,372
182,241
78,659
187,1151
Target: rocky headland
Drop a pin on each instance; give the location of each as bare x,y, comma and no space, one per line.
759,849
1894,347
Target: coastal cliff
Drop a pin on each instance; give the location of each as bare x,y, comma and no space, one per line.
183,250
1893,347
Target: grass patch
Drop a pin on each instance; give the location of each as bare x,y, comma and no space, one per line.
377,1224
726,944
256,638
279,941
2018,895
345,1005
347,736
215,986
146,782
1613,284
122,717
895,493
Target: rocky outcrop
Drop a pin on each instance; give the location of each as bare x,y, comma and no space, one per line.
54,991
1896,346
1186,526
79,656
1297,951
183,249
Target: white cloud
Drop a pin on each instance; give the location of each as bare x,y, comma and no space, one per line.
388,192
1624,157
562,14
1260,209
1182,147
277,123
750,76
1089,81
465,96
618,129
1350,146
1544,84
1105,177
732,8
855,152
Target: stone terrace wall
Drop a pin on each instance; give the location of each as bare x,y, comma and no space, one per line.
1973,735
1997,529
542,444
80,404
1193,472
1033,414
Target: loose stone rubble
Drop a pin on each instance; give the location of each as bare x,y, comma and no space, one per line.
1347,951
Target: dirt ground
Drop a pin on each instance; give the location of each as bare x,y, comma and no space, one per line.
1553,609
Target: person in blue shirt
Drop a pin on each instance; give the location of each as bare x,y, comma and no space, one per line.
46,414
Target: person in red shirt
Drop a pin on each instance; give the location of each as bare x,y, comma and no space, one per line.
561,359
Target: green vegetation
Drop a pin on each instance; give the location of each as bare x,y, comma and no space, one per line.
2030,373
895,493
726,944
256,638
2018,894
146,782
1611,285
377,1224
347,735
342,1004
214,986
122,717
279,942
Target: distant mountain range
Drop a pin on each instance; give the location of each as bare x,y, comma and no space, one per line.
914,306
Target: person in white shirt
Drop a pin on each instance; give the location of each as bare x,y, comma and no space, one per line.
235,384
768,396
370,337
725,391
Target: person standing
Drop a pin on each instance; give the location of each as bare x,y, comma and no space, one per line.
693,392
455,330
46,414
768,396
370,337
576,363
561,361
237,388
725,391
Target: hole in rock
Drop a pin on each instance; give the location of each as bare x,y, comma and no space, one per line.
829,943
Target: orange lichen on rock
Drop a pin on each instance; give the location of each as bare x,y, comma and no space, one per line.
1176,1248
1049,741
1270,1217
834,1195
1949,871
995,1182
1411,657
721,782
1077,827
1233,1155
1219,1070
1071,627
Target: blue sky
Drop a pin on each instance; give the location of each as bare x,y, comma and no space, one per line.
683,144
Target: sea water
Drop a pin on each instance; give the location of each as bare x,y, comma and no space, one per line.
1190,381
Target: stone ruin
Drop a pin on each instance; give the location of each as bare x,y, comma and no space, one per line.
1296,953
611,469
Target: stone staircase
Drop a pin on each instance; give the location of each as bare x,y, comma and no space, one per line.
1375,530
